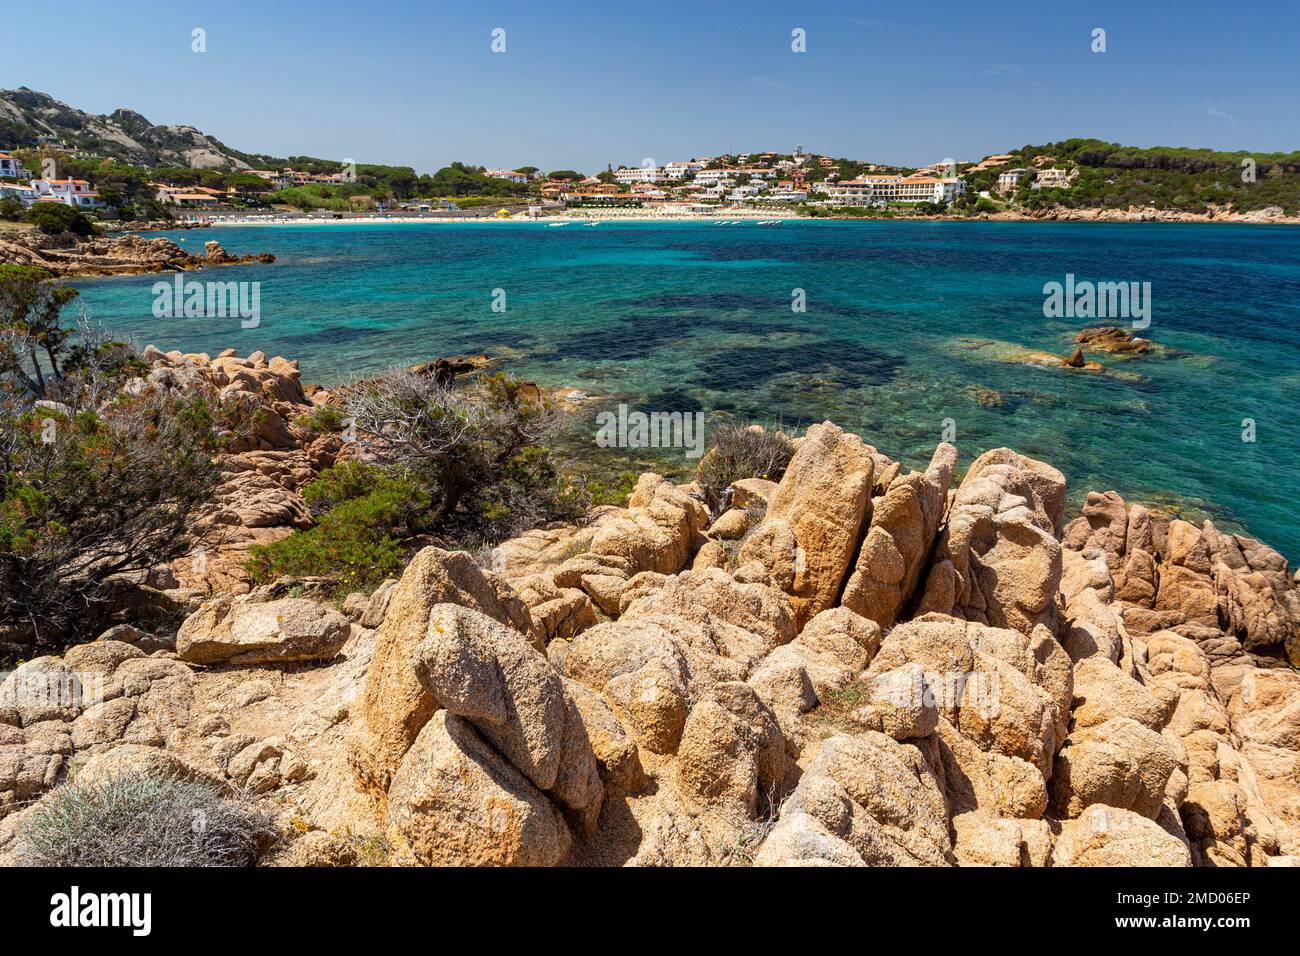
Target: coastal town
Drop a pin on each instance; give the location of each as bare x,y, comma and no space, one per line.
798,182
121,171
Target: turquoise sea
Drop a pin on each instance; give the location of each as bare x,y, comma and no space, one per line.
907,324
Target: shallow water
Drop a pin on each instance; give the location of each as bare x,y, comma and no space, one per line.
907,324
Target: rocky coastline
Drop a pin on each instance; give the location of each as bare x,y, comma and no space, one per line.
856,665
69,256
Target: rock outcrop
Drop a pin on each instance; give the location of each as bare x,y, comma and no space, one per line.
884,670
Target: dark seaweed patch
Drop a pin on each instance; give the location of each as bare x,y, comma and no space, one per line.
834,361
334,335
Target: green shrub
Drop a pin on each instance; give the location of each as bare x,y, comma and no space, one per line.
54,218
92,494
139,820
479,452
322,420
357,538
740,451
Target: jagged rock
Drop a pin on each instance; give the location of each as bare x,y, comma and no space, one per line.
1265,712
1103,691
865,800
455,801
660,530
998,561
653,701
899,704
1006,691
986,781
732,751
981,840
904,523
814,520
616,752
134,759
394,704
1106,836
1119,763
718,615
1186,589
483,671
287,631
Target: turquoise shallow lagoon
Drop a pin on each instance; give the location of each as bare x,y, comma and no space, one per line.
907,324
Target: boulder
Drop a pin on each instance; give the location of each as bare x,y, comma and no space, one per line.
814,520
865,800
1119,763
455,801
394,704
1106,836
998,560
981,840
904,523
732,751
292,630
483,671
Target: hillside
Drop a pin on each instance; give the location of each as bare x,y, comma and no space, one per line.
1113,176
125,135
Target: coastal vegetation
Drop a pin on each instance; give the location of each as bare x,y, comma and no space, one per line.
467,464
1165,178
94,481
142,819
740,451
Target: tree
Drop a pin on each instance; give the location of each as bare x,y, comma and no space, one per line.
565,174
30,303
89,491
54,218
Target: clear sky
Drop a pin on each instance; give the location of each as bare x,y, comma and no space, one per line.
583,84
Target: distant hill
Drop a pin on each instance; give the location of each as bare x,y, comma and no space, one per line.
27,115
1160,177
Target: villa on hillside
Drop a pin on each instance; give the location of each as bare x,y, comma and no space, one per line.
71,192
11,167
988,162
639,174
1010,181
24,194
1053,179
510,175
193,197
882,190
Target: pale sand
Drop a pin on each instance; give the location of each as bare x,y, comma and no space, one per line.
574,216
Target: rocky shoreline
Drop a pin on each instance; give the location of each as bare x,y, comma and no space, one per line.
69,256
854,665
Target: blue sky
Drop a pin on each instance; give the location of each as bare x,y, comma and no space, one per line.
585,84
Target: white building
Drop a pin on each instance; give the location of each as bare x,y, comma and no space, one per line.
785,194
1052,179
511,175
681,170
710,176
24,194
9,166
639,174
882,190
70,192
1010,181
